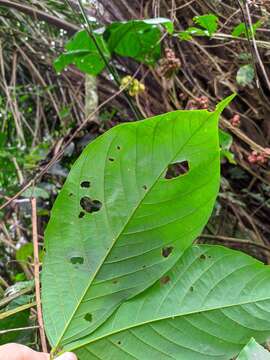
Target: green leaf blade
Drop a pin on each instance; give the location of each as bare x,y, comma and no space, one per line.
245,75
208,22
252,351
201,313
137,39
117,251
82,52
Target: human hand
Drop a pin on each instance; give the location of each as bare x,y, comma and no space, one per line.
21,352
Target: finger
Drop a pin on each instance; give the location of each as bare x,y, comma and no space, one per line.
20,352
34,355
67,356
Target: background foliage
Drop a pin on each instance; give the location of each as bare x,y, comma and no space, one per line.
40,110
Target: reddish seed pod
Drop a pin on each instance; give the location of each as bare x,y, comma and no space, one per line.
235,120
259,158
252,159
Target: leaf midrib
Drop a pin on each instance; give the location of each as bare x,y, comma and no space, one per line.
211,114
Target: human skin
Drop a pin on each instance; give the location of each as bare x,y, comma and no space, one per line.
21,352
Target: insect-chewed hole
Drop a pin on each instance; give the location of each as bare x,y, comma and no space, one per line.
177,169
85,184
119,342
111,159
81,214
88,317
166,251
90,205
77,260
118,147
202,257
165,279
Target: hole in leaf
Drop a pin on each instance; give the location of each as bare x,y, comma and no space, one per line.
81,214
90,205
191,288
111,159
88,317
165,279
70,194
118,147
177,169
166,251
119,342
85,184
144,187
202,257
77,260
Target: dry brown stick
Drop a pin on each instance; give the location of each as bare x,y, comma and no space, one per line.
36,272
258,56
2,332
234,240
40,15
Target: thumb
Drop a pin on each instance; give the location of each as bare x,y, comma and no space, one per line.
67,356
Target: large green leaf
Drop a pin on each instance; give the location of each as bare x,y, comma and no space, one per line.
254,351
136,222
138,39
207,307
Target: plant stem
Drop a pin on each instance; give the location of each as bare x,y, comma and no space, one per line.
36,271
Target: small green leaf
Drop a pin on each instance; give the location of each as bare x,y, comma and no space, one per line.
254,351
81,51
64,112
185,35
226,141
245,75
228,155
36,192
18,320
25,252
166,23
241,29
208,22
13,322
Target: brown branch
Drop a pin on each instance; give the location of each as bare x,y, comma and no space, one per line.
40,15
36,272
234,240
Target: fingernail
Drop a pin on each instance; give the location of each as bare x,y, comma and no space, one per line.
67,356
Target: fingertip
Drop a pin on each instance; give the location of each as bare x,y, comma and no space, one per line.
67,356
